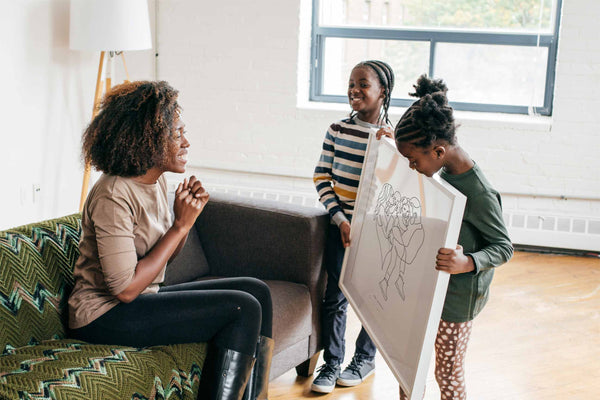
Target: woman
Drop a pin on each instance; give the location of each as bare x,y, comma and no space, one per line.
128,239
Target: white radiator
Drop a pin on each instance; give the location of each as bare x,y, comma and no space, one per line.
300,198
577,233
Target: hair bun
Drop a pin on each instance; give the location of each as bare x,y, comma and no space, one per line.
427,86
434,114
433,100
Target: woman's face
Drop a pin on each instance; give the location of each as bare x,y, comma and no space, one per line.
177,153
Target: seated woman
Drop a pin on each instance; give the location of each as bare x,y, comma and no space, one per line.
128,238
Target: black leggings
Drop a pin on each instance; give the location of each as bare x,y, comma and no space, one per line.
231,312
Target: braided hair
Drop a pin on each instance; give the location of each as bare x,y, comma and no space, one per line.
131,132
428,119
386,78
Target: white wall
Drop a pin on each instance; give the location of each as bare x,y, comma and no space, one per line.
241,70
42,108
46,101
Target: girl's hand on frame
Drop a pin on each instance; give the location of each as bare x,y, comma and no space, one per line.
345,232
453,261
190,199
387,131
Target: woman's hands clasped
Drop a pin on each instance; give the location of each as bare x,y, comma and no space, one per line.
190,199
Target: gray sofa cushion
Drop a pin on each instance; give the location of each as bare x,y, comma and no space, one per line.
291,305
292,312
190,264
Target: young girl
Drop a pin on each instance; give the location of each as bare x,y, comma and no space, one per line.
425,135
336,178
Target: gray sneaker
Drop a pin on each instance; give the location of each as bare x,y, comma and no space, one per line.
325,381
357,371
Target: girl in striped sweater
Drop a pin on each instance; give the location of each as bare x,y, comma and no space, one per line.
336,179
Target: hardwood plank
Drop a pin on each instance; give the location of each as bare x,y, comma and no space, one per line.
538,338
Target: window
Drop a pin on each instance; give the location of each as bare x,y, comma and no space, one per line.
495,56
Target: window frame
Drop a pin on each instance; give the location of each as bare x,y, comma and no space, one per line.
435,36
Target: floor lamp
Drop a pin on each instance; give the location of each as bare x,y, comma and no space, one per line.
111,27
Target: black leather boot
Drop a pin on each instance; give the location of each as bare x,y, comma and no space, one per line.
258,385
225,375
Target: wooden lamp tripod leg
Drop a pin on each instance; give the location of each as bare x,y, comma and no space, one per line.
97,97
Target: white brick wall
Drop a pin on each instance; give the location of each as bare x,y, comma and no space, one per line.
239,81
241,70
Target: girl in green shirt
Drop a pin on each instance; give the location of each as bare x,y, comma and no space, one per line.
425,135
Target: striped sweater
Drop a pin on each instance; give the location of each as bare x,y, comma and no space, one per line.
338,171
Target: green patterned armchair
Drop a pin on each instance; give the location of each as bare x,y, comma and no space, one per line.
39,362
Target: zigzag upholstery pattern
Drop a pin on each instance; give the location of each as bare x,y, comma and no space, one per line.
69,369
36,264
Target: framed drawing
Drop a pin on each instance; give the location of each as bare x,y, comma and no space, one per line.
401,219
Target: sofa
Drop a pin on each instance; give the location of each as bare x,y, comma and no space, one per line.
279,243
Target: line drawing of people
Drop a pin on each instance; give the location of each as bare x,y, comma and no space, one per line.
398,221
382,220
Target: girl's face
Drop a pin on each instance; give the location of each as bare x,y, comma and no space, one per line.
427,161
365,94
178,145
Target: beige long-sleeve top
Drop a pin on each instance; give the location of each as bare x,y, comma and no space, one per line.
122,220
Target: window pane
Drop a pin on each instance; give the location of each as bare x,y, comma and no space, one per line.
493,74
522,15
407,59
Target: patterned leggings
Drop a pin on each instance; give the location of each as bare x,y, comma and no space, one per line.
450,349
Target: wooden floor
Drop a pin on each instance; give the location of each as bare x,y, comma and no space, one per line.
537,339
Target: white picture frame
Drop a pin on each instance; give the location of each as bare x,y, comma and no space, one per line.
401,219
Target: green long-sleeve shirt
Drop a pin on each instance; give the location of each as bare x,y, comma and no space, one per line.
483,236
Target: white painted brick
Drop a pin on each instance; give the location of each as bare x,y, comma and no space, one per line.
576,68
238,77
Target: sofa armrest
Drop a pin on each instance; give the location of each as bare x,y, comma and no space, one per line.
264,239
267,240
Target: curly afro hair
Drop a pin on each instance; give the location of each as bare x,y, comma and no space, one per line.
428,119
131,132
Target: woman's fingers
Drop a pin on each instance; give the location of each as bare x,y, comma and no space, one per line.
204,198
182,195
197,201
193,184
196,187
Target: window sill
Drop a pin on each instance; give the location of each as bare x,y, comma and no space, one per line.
515,121
467,118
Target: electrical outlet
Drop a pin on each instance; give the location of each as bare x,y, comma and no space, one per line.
36,193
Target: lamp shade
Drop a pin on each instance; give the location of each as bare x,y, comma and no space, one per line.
109,25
